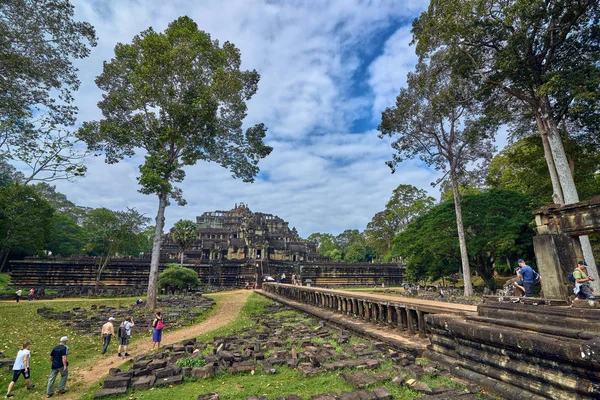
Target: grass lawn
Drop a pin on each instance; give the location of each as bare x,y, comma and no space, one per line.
20,322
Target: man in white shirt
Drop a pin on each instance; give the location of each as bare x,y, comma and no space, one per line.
125,336
21,366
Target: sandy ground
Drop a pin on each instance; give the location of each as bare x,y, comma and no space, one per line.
227,312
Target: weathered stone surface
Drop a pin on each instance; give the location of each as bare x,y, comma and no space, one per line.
382,393
156,364
143,382
365,395
243,366
358,379
205,372
209,396
116,382
171,380
110,392
324,396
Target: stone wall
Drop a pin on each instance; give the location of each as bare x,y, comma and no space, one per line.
125,276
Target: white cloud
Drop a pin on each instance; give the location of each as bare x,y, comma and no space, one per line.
320,177
388,72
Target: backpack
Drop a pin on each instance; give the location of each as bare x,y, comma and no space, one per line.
122,332
536,277
159,325
572,277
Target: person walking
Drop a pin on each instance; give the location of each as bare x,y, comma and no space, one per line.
31,293
18,294
582,282
125,335
108,331
21,366
60,365
158,325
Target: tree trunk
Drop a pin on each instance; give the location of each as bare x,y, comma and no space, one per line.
461,238
153,276
182,257
3,256
103,264
565,177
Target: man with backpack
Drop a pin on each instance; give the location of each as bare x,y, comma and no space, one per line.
582,282
526,275
124,333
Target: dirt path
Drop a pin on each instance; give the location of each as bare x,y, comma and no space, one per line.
227,312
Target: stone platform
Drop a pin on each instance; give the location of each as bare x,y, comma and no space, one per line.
540,350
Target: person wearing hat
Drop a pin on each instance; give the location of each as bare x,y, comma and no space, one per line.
526,277
58,356
582,282
108,331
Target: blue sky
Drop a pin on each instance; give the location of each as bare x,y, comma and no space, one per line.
328,69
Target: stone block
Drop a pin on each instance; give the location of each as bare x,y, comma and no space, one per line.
116,382
243,366
205,372
143,382
141,364
349,396
358,379
156,364
110,392
209,396
171,380
324,396
164,372
382,393
365,395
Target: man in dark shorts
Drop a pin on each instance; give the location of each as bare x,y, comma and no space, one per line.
526,276
58,356
21,366
125,336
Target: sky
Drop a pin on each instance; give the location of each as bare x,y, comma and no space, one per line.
328,69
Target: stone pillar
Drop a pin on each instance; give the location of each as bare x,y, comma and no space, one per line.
367,310
380,314
409,322
399,318
549,250
421,323
361,309
389,314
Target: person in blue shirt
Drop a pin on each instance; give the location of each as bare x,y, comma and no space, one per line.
526,276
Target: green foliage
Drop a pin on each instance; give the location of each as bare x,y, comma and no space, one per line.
521,167
39,41
66,238
184,233
178,278
349,246
406,203
111,232
24,221
191,362
497,224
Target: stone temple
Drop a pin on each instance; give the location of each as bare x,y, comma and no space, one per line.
241,234
233,249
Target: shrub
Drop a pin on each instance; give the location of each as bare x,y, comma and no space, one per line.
191,362
177,278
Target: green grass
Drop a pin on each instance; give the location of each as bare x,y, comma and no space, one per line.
20,322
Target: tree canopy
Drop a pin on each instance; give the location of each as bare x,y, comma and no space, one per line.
178,278
38,42
497,228
184,233
180,96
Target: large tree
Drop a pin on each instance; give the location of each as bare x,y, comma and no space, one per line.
541,58
436,120
180,97
38,41
184,233
113,232
25,220
406,203
497,224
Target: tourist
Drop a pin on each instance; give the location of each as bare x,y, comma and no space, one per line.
18,294
108,331
293,279
125,334
21,366
58,356
582,282
526,277
283,278
31,293
157,326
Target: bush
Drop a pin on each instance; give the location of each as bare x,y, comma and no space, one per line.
177,278
191,362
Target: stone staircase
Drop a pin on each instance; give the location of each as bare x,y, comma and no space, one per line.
540,349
